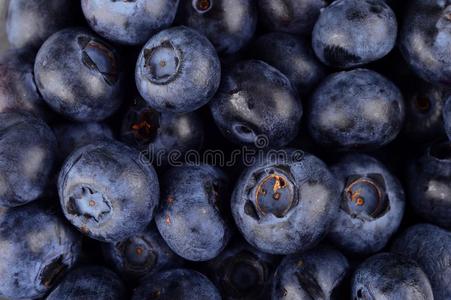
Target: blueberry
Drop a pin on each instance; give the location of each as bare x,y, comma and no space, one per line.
89,283
161,134
72,136
430,246
142,254
27,151
372,204
315,274
18,91
180,284
424,107
190,218
294,57
390,276
228,24
30,22
351,33
37,249
425,39
178,70
242,272
79,75
292,16
107,192
357,109
285,204
446,115
254,100
429,179
130,22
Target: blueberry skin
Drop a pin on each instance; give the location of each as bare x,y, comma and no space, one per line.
160,134
430,247
30,23
292,16
254,100
314,274
446,115
425,40
357,109
89,283
287,204
27,152
190,217
228,24
180,284
293,56
428,181
390,276
129,22
351,33
424,109
142,254
18,91
107,192
71,136
368,230
242,272
178,70
37,249
79,75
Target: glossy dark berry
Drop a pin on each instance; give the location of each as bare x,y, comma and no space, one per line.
430,246
372,204
30,22
90,283
254,100
191,217
27,154
425,39
79,75
242,272
228,24
18,91
285,204
357,109
107,192
351,33
180,284
129,22
424,109
141,254
390,276
294,57
293,16
178,70
161,135
315,274
429,178
37,249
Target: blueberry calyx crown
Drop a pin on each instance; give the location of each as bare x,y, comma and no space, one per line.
364,196
88,203
202,6
138,254
422,103
144,125
243,274
97,56
162,63
273,193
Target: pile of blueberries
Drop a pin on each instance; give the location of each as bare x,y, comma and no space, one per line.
226,149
